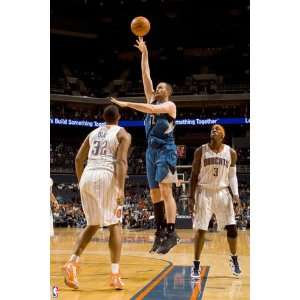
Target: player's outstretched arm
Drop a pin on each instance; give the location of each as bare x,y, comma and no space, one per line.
81,157
196,165
121,164
147,82
164,108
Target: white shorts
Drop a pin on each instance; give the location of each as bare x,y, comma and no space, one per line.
98,198
170,178
209,202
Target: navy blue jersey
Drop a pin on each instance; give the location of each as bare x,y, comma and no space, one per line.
160,126
161,155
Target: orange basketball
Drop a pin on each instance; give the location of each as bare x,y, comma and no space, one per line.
140,26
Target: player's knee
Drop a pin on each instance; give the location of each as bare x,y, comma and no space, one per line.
200,233
231,231
155,195
164,195
93,227
165,190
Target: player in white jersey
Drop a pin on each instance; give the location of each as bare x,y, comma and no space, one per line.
54,205
101,185
213,172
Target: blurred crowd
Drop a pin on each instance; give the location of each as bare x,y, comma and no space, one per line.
74,80
69,215
87,112
138,208
92,112
62,157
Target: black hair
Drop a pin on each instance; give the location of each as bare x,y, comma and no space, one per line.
111,113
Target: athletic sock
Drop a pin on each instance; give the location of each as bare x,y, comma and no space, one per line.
171,227
159,214
74,258
196,264
115,268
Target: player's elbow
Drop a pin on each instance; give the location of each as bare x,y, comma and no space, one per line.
152,109
232,172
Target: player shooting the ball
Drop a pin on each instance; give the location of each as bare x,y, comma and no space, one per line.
161,154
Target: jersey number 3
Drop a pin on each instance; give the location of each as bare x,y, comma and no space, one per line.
216,172
99,148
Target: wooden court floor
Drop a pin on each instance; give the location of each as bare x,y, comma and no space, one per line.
165,276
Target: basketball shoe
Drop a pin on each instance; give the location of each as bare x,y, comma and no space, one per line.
159,236
235,267
195,274
196,270
170,240
70,270
116,282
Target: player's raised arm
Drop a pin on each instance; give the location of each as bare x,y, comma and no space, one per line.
121,164
81,157
194,176
164,108
147,82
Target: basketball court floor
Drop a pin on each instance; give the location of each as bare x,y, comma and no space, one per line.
151,276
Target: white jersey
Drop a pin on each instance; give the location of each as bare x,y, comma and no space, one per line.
214,172
98,183
103,148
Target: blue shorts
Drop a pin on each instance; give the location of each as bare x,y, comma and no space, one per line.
159,161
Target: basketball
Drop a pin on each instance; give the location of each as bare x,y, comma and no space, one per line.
140,26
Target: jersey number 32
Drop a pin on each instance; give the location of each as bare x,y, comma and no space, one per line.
99,148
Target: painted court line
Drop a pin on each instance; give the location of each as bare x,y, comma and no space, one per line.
200,285
153,283
174,283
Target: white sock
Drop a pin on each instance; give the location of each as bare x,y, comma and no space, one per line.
74,258
115,268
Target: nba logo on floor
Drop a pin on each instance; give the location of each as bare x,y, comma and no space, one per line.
55,292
